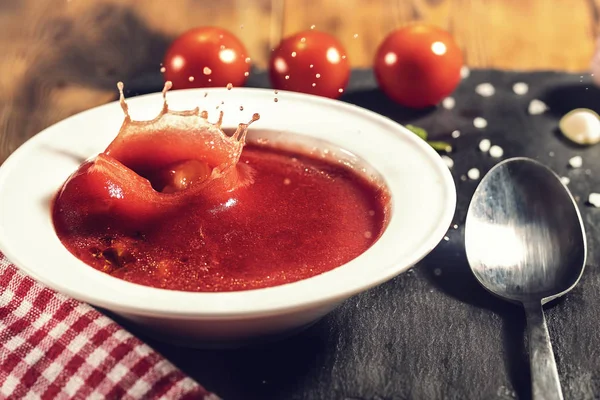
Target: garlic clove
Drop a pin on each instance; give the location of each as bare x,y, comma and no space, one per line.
581,126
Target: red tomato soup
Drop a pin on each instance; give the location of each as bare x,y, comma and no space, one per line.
277,216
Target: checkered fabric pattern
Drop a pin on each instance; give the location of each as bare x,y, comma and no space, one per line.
54,347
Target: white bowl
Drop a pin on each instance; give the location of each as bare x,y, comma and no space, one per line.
422,192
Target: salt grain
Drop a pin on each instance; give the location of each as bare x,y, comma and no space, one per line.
565,180
576,162
520,88
594,199
448,103
464,72
473,174
449,162
479,122
485,145
485,89
537,107
496,151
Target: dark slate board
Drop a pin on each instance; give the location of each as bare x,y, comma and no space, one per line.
433,332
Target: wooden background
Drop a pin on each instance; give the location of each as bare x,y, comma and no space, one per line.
60,57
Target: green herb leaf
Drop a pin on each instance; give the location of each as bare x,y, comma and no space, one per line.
441,146
420,132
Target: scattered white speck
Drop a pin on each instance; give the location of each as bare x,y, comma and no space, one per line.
480,122
455,133
287,181
163,69
368,235
537,107
449,162
594,199
463,177
565,180
485,89
465,72
576,162
446,238
455,226
496,151
485,145
520,88
551,154
588,172
473,174
448,103
437,272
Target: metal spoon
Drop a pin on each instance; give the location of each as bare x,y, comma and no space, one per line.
525,242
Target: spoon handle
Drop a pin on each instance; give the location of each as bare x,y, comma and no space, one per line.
544,375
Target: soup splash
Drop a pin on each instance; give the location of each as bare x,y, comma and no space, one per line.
176,203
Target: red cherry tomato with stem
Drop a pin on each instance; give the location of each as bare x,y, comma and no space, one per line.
418,65
310,62
206,57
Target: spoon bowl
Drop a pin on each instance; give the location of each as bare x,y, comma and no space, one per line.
525,242
524,238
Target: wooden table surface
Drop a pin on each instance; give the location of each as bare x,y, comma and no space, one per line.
60,57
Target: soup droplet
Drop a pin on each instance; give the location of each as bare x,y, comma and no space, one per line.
312,26
191,79
248,60
207,71
246,73
229,86
241,108
341,90
276,91
163,69
275,99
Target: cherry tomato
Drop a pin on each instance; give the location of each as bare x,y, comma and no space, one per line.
418,65
310,62
206,57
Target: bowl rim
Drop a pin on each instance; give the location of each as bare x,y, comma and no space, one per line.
316,297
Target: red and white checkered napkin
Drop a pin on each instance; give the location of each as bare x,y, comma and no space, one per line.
54,347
